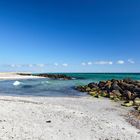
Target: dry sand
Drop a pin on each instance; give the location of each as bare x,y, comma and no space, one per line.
60,118
13,75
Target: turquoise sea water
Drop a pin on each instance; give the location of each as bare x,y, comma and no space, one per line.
55,88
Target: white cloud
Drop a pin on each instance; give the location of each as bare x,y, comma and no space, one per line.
103,62
40,65
83,64
14,65
65,64
89,63
56,64
120,62
25,65
30,65
131,61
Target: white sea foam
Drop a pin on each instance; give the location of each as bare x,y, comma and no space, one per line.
45,82
16,83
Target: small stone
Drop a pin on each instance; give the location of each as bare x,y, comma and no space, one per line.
138,108
117,93
93,93
88,89
137,101
48,121
97,96
116,99
128,104
104,94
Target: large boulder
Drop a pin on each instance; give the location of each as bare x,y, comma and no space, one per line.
128,94
101,85
115,86
108,86
93,93
81,88
93,85
137,90
112,95
125,86
128,80
117,93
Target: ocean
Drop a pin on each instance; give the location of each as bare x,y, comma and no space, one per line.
58,88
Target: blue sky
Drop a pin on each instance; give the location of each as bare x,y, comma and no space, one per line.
70,35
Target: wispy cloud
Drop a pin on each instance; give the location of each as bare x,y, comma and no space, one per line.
30,65
40,65
83,64
13,65
65,64
34,65
25,65
89,63
120,62
97,63
56,64
131,61
103,62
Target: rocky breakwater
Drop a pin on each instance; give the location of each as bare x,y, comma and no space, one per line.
51,76
126,90
55,76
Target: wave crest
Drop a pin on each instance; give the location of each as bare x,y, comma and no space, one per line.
16,83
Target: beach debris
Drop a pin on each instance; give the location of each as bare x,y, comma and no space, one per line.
49,121
16,83
126,90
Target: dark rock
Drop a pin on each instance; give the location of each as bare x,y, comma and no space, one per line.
128,80
129,95
117,93
48,121
52,76
93,85
125,86
108,86
113,80
81,88
101,85
137,90
127,90
87,89
115,86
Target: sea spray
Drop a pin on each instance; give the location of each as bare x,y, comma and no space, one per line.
16,83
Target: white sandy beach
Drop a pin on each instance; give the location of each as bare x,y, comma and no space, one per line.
14,75
84,118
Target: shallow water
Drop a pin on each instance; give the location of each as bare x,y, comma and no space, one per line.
55,88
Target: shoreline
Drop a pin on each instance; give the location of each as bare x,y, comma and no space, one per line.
64,118
16,76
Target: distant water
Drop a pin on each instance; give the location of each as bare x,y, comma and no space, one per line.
56,88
